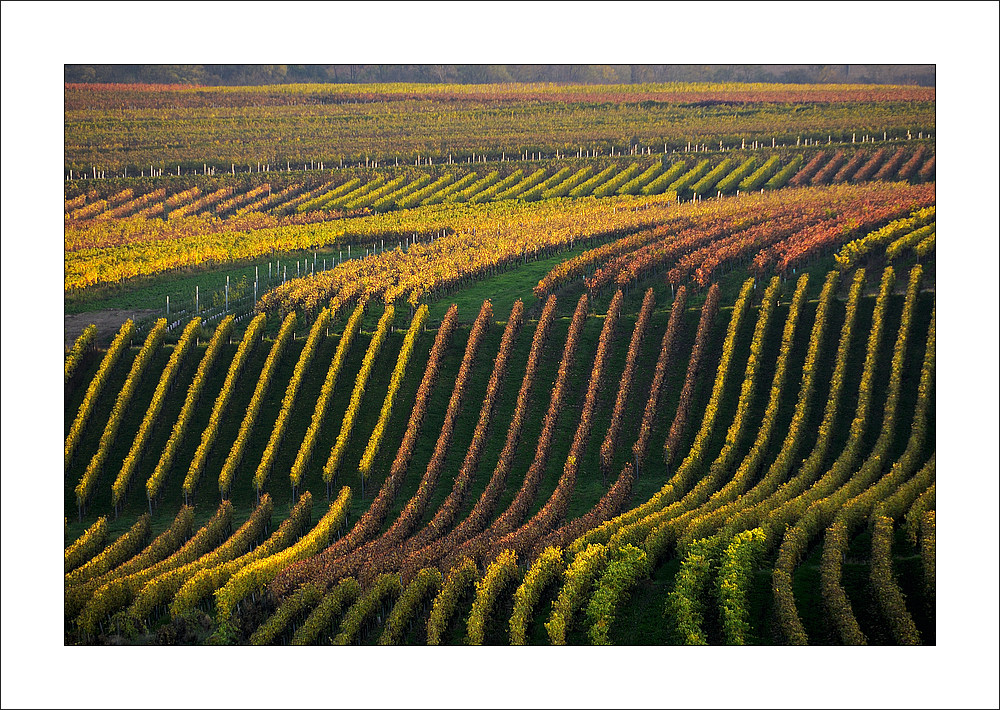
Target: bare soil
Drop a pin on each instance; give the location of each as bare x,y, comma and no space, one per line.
107,322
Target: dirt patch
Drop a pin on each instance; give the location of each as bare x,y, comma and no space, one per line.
108,323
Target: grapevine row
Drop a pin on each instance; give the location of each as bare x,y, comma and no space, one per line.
161,590
479,516
123,482
80,346
206,581
518,508
149,347
111,357
255,576
278,431
734,496
125,546
361,380
328,564
325,394
501,573
250,339
154,484
614,427
119,591
774,490
447,511
238,448
409,342
329,608
80,588
555,507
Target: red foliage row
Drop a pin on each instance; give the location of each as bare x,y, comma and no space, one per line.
614,427
854,220
524,538
519,507
850,167
887,171
708,312
369,559
446,512
869,168
479,516
321,566
805,174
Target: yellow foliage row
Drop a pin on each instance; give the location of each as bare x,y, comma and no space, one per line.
184,345
409,342
501,573
546,569
855,500
385,587
89,478
78,593
329,608
86,545
250,338
658,528
155,481
326,392
255,576
462,577
278,431
250,418
732,496
851,252
427,582
204,582
347,425
123,548
679,481
119,591
577,580
80,346
162,588
797,521
746,518
111,357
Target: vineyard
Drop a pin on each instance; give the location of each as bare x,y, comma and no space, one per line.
550,395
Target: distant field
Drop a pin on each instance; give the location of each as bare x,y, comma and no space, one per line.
111,127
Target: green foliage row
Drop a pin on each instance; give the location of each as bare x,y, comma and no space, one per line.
322,617
459,580
425,585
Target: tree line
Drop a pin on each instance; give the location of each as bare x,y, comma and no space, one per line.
260,74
